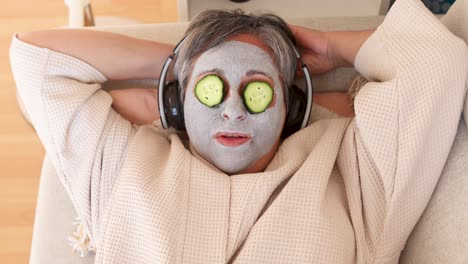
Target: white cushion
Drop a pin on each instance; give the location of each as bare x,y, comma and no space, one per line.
441,235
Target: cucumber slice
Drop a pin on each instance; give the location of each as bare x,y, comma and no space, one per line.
210,90
257,97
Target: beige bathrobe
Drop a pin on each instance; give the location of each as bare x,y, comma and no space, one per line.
339,191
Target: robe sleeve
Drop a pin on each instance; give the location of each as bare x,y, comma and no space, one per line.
406,120
83,136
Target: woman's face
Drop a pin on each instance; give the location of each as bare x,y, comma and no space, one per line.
228,135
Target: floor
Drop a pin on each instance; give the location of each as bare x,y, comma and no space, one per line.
20,150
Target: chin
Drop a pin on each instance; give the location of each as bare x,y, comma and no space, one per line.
237,165
231,167
247,158
230,171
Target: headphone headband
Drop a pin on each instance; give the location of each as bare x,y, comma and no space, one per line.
161,84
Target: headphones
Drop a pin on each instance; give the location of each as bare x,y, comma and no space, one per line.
171,109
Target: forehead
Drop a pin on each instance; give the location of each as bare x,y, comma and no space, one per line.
236,57
251,39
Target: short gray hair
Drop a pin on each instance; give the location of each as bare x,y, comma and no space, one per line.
211,28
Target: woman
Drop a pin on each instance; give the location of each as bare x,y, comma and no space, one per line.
343,190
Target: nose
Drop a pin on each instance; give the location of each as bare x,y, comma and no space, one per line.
234,109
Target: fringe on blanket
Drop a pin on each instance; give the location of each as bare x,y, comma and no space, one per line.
80,240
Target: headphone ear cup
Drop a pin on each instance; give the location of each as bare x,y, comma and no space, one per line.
173,106
297,104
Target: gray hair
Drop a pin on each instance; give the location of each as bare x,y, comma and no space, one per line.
211,28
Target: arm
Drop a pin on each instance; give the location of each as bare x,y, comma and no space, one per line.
137,105
60,85
339,103
406,119
117,57
342,48
325,51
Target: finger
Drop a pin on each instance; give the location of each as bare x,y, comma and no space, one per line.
303,34
297,31
293,28
299,72
311,67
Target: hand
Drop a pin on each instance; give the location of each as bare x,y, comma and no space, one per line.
325,51
315,50
137,105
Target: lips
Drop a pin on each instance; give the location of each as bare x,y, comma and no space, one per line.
231,139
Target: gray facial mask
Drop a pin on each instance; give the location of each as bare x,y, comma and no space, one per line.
237,63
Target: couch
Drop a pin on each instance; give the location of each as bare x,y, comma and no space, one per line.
441,235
